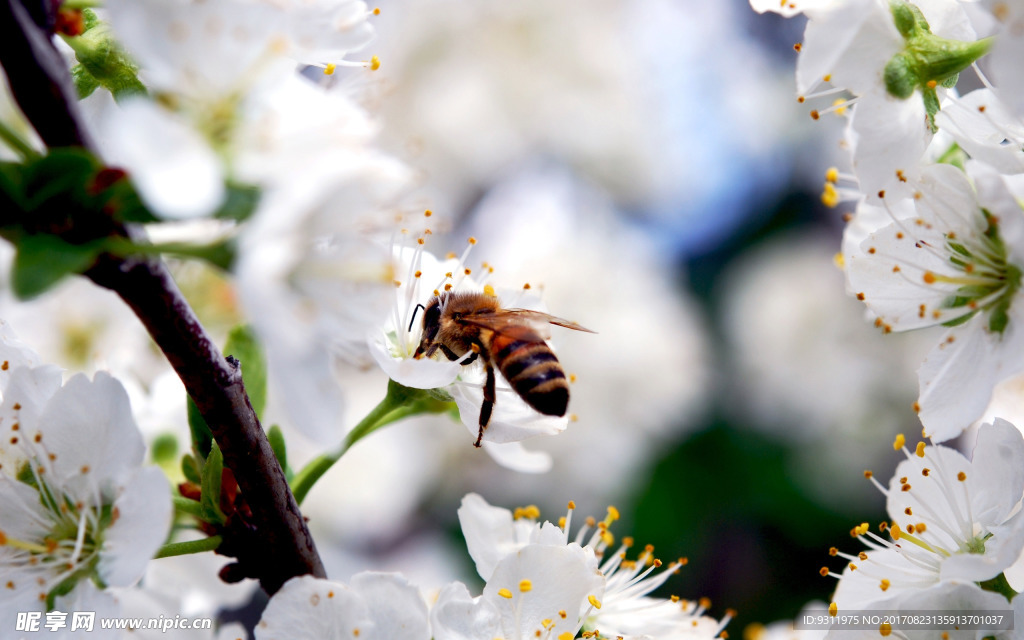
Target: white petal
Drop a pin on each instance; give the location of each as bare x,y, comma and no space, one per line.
308,608
143,521
957,378
997,474
852,41
561,579
890,135
175,171
514,456
489,533
511,419
396,606
90,430
418,374
458,616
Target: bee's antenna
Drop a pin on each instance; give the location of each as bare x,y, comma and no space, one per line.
413,319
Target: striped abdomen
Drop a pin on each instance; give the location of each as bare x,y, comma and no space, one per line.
534,372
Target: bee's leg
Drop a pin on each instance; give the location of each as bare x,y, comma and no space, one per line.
448,353
429,351
488,404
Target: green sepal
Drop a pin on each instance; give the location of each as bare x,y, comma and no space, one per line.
43,260
1000,585
900,79
190,469
999,317
244,346
931,106
85,83
210,497
905,18
954,155
101,57
202,437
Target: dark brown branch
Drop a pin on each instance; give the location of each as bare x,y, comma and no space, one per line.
281,546
37,73
275,543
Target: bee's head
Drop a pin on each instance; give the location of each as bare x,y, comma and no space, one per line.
431,325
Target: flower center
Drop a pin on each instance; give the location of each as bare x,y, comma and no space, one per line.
983,278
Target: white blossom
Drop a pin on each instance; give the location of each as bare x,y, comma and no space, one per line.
952,518
951,255
76,505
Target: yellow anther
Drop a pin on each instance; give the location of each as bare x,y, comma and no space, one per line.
374,63
833,609
961,476
428,213
839,110
418,274
561,522
525,585
885,628
376,11
920,450
839,261
565,635
329,69
884,585
895,531
594,602
898,443
526,286
572,377
832,175
627,541
505,593
830,196
472,240
607,538
547,623
572,505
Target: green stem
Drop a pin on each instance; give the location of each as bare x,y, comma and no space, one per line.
16,142
186,505
191,546
81,4
400,402
219,254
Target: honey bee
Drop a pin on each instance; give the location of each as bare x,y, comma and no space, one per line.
511,340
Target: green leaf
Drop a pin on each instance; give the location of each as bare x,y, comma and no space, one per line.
202,437
240,202
164,448
62,173
190,469
276,438
212,472
245,347
43,260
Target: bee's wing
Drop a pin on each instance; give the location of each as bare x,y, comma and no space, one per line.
521,324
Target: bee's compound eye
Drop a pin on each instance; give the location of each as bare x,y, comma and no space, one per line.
432,316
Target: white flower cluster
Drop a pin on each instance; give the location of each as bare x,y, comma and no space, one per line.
937,239
539,583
